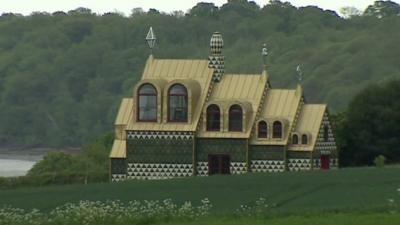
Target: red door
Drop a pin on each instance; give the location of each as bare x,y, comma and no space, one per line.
325,162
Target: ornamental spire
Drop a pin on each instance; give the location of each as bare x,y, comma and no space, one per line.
151,39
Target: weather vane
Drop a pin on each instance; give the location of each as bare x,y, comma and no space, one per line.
264,53
299,73
151,39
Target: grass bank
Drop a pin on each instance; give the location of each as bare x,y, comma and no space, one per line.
292,192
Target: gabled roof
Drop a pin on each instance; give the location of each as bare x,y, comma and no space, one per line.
246,89
282,105
172,69
309,121
193,73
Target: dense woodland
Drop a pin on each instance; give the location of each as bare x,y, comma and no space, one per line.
62,75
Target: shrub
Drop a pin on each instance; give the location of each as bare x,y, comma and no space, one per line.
379,161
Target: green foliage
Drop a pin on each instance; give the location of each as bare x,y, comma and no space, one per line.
88,166
62,75
382,9
379,161
370,128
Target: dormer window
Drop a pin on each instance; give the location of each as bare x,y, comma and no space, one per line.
277,129
213,118
304,139
262,129
147,103
295,139
235,118
177,103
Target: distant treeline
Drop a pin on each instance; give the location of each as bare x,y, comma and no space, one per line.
62,75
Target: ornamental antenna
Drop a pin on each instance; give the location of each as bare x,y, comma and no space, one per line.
151,39
264,54
299,74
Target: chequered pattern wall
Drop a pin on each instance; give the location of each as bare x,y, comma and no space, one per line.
118,177
323,147
262,152
270,166
202,169
160,151
118,166
299,164
157,171
235,148
238,168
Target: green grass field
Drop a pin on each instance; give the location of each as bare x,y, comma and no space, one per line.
289,192
316,219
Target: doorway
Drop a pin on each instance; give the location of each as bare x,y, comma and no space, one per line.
219,164
325,161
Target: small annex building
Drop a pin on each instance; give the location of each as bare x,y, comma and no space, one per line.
187,117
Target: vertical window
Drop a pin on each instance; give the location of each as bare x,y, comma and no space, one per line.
304,139
147,103
177,104
213,118
235,118
262,129
326,133
277,130
295,139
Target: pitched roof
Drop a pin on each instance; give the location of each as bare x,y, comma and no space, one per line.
194,73
124,112
309,121
279,104
246,89
118,149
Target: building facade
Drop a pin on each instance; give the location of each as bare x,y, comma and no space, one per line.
190,118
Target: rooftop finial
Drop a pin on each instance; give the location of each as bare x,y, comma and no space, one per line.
299,74
264,54
216,43
151,39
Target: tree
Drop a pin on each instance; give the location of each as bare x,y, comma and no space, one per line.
349,12
381,9
203,9
371,126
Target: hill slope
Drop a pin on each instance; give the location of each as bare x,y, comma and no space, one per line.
62,75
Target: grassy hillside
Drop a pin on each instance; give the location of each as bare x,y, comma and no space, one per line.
62,75
314,191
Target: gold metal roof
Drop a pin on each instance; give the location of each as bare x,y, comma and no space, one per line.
309,121
193,73
118,149
246,89
282,105
124,112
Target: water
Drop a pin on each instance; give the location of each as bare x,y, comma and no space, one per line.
15,167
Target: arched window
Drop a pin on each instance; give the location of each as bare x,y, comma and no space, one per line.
147,103
326,133
177,103
277,129
213,118
295,139
304,139
262,129
235,118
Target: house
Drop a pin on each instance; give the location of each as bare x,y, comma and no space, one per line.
188,117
